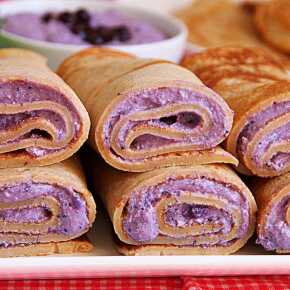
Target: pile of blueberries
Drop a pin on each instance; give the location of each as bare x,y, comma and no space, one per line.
79,23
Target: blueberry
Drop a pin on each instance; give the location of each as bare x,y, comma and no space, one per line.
65,17
47,17
78,28
106,33
92,36
82,15
122,33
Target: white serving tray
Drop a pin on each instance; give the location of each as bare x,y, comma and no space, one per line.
104,261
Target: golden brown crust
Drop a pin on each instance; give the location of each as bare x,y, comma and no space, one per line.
168,250
79,245
251,81
27,68
105,78
116,188
272,21
224,23
217,23
22,53
256,62
67,174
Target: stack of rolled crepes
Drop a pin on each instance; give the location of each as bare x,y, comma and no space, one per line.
258,90
42,209
154,116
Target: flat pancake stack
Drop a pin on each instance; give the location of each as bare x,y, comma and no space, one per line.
273,22
216,23
225,23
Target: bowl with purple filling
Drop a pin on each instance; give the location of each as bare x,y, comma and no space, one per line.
60,28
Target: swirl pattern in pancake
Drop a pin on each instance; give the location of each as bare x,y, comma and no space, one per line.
202,209
145,113
42,121
42,205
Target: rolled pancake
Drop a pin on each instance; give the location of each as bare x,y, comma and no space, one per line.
257,88
273,226
272,20
43,205
183,210
42,121
145,113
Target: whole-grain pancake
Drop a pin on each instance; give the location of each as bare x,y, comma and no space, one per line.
224,23
273,22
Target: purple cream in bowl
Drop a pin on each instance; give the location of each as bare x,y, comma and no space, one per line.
35,25
109,27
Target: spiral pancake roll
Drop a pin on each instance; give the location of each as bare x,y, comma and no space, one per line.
257,88
273,222
272,20
146,113
42,121
184,210
42,209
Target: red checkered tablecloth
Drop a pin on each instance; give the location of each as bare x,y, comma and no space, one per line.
236,283
186,283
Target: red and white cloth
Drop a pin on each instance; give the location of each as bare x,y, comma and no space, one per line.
186,283
237,283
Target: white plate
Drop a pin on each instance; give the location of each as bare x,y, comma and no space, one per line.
104,261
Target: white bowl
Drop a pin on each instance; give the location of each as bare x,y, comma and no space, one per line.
170,49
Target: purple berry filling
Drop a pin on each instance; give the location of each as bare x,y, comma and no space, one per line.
189,122
21,92
140,220
73,217
280,160
276,234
